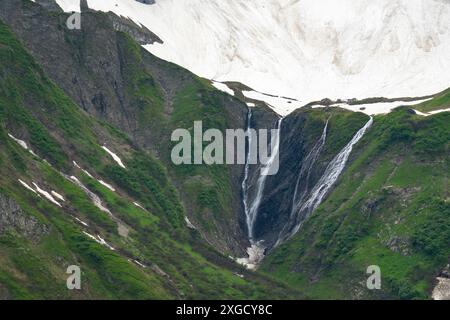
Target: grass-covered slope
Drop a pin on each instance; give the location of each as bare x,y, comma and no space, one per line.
155,255
109,75
439,102
390,208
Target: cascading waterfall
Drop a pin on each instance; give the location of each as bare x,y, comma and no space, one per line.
301,191
247,168
329,177
256,250
261,183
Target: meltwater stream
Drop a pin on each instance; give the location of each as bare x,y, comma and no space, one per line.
332,172
305,201
252,211
256,250
302,186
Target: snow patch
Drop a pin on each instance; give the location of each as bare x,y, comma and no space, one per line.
103,183
94,198
82,222
27,186
47,195
189,224
281,105
57,195
255,256
308,49
99,240
140,264
139,206
431,112
372,109
222,87
114,156
23,144
69,5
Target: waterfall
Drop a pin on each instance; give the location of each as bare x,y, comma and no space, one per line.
247,168
329,177
252,211
301,191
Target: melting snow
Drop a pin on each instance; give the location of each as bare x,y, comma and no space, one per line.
374,108
255,256
222,87
188,223
69,5
47,195
103,242
140,264
23,144
114,156
431,112
57,195
82,222
94,198
281,105
139,206
27,186
308,49
378,108
103,183
88,174
99,240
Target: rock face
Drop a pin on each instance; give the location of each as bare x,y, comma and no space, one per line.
115,80
141,34
13,218
275,207
442,289
146,1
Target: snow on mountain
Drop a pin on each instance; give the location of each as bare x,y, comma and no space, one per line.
303,49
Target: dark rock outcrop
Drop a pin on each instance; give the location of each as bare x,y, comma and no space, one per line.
13,218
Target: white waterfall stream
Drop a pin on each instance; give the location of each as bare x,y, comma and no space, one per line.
329,177
247,169
305,201
252,211
256,250
301,191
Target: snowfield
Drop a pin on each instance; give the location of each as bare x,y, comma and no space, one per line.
307,50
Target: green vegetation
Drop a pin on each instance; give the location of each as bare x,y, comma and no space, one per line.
441,101
390,208
179,264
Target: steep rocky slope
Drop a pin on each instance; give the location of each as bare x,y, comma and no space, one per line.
107,74
86,178
306,49
76,190
390,208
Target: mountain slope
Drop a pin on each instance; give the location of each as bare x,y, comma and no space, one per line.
118,82
390,208
125,250
307,50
